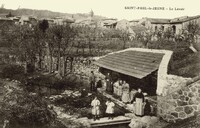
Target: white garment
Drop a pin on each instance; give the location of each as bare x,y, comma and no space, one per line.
110,107
139,106
95,107
116,86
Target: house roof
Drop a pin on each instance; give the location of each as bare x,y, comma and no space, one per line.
6,19
158,21
108,19
134,21
184,19
3,15
68,20
131,62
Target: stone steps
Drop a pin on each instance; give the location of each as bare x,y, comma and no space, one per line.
105,121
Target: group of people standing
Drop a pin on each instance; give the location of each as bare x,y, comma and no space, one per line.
141,106
96,108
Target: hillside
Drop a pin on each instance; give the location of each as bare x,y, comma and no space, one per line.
188,66
46,13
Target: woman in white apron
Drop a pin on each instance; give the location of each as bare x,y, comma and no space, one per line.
138,102
125,92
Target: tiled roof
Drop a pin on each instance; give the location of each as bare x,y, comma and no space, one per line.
185,19
133,63
155,20
108,19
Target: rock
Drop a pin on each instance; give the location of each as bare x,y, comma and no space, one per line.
67,92
181,103
76,94
63,115
130,115
136,124
149,121
179,109
175,96
182,97
185,93
193,89
146,119
52,98
84,121
180,92
175,114
187,98
188,109
195,108
191,102
32,94
186,89
182,115
198,99
191,94
170,117
154,119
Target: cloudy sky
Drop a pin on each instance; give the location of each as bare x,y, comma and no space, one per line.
112,8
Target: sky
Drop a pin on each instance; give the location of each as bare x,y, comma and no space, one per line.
112,8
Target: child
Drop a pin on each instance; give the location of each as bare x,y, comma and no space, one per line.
95,108
110,109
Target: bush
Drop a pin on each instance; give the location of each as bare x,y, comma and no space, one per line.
13,72
23,108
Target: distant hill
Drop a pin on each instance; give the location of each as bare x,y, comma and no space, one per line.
46,13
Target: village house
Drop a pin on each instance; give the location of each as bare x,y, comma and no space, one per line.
155,24
86,22
28,20
62,21
133,22
176,24
4,15
123,24
107,23
139,29
6,21
180,23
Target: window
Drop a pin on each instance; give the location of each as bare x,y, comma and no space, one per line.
156,28
163,28
174,28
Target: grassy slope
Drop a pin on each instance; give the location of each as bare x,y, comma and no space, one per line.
187,66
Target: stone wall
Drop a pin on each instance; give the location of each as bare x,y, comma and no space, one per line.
180,104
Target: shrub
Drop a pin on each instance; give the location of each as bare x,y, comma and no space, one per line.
23,108
13,72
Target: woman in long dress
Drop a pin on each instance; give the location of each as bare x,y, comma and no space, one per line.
110,109
109,87
116,85
119,93
132,94
125,92
139,103
95,108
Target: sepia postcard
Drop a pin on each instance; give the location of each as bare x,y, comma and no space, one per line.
99,64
